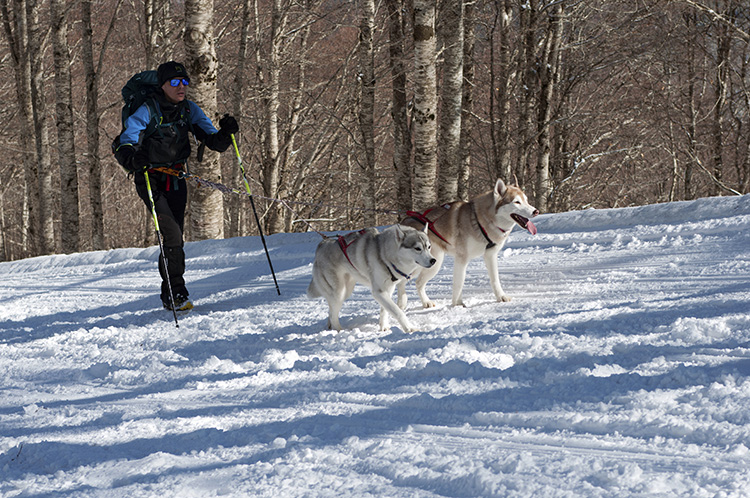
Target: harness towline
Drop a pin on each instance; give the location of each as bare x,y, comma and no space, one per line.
199,181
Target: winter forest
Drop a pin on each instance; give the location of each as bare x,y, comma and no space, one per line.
354,111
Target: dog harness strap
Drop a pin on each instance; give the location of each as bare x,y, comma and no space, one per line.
344,246
490,243
422,218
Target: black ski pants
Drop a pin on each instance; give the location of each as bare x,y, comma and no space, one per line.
170,199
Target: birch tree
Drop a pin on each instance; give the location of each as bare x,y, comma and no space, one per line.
26,38
452,30
502,87
206,205
234,215
37,46
549,74
15,24
424,113
69,209
92,71
721,87
366,79
158,32
399,110
467,103
271,161
527,72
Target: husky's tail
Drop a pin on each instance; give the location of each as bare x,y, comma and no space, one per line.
312,289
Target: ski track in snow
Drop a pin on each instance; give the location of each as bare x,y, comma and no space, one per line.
620,368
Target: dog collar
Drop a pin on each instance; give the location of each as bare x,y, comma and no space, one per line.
394,278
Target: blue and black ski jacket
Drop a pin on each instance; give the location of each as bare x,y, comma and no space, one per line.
163,130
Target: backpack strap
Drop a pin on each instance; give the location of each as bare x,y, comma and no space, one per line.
154,112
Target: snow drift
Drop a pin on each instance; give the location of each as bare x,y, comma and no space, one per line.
620,368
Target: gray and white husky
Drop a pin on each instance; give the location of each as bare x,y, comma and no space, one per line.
379,260
467,230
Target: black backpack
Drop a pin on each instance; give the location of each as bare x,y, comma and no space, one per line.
139,90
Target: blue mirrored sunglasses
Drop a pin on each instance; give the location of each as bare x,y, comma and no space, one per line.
177,81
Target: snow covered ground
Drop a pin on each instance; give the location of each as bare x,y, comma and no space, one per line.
620,368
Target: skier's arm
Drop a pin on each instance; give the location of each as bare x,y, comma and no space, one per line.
205,131
129,153
135,125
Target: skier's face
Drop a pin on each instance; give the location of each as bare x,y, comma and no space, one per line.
174,94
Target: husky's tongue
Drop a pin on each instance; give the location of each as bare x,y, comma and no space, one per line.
525,223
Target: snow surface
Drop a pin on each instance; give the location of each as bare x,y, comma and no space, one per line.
620,368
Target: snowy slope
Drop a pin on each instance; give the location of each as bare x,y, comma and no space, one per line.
620,368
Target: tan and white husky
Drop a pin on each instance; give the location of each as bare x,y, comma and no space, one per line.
467,230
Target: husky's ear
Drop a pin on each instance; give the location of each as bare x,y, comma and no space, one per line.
400,235
426,227
500,188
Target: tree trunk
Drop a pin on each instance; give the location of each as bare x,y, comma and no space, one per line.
721,84
502,151
467,104
234,214
47,194
399,110
549,74
527,73
425,104
158,41
271,165
206,205
69,209
92,130
367,108
691,126
292,162
452,29
25,37
17,34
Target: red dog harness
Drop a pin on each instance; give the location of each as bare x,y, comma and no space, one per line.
344,246
490,242
422,218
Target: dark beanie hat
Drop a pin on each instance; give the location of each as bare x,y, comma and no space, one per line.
170,70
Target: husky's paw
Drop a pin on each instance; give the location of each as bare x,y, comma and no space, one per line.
505,298
429,304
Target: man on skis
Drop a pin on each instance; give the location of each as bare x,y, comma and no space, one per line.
157,134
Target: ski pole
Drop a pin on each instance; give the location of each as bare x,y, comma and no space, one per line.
252,203
161,246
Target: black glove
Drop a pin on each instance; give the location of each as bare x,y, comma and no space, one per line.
131,159
123,153
228,125
140,161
